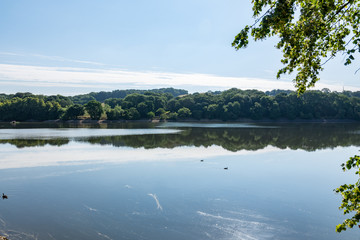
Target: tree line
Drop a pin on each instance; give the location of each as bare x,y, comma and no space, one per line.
163,104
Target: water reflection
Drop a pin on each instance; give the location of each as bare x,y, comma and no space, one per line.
155,186
83,154
306,137
309,137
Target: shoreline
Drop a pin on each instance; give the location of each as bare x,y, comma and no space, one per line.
245,120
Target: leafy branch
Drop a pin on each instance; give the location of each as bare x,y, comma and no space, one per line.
351,196
309,32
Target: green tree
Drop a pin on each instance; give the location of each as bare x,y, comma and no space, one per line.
184,113
231,111
135,98
187,102
94,108
160,111
74,111
132,114
311,32
143,108
351,195
212,111
174,105
115,113
151,115
274,113
113,102
172,116
257,111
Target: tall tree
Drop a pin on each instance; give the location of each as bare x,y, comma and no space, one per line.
74,111
94,108
311,32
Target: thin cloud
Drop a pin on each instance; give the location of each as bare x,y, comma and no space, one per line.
52,58
62,59
11,54
57,77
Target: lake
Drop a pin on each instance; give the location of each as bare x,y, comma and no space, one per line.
174,180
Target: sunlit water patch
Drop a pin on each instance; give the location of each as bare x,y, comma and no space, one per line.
71,133
241,226
80,153
211,125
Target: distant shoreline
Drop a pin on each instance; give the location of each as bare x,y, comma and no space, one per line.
85,121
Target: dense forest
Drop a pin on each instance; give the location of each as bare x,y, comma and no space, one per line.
176,104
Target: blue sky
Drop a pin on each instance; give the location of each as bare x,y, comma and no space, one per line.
70,47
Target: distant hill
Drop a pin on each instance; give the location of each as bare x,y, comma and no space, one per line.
102,96
277,91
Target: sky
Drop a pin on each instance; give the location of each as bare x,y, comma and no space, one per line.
73,47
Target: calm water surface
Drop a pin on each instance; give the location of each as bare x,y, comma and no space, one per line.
147,181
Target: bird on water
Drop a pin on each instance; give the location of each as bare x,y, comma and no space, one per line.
4,196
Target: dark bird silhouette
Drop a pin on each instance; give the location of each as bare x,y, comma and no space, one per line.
226,168
201,160
4,196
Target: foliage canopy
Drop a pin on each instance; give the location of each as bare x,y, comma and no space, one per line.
311,32
351,195
229,105
74,111
94,108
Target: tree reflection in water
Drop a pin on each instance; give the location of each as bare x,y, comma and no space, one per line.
305,136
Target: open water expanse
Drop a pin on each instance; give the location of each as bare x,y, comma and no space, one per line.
168,181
